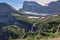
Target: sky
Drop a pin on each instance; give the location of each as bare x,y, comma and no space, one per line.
18,3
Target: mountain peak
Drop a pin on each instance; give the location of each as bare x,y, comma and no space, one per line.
6,12
5,8
4,4
32,6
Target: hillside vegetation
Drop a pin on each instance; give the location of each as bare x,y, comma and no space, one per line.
48,27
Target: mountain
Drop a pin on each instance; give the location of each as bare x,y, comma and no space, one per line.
6,18
6,12
32,6
13,25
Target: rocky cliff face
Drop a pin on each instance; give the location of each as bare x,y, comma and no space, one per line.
6,17
5,13
32,6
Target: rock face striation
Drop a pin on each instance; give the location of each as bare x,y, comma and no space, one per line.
31,6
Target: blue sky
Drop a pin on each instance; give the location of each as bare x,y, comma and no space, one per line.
15,3
18,3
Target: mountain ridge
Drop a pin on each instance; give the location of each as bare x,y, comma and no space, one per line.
35,7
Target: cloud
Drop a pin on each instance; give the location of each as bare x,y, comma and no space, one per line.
45,2
28,0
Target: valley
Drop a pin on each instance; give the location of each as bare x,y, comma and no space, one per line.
30,23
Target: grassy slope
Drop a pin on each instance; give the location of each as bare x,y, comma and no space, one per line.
44,28
50,27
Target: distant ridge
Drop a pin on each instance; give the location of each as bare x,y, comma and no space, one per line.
31,6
